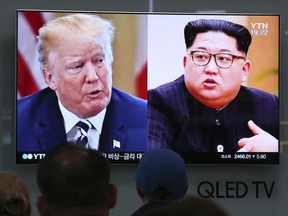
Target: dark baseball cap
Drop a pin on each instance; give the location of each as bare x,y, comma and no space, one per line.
165,169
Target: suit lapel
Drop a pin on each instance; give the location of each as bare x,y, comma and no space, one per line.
51,131
113,136
50,123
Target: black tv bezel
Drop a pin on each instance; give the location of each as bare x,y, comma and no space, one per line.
190,158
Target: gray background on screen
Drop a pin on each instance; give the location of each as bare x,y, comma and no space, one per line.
123,176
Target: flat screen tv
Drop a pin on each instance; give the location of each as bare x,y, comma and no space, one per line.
181,78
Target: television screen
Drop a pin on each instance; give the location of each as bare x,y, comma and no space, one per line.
183,75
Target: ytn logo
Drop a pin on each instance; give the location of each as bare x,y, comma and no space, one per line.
31,156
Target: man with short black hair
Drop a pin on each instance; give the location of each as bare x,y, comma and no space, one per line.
207,109
75,181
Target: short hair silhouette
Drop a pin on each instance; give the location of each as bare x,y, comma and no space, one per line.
73,179
14,195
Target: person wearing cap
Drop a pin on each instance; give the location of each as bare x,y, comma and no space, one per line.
161,178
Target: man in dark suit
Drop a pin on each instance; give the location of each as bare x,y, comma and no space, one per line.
208,109
75,53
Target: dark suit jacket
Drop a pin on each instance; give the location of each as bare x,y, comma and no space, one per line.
40,125
178,121
151,206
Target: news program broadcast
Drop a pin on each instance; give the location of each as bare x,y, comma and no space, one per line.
203,85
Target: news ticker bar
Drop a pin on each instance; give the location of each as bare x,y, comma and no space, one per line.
113,157
190,158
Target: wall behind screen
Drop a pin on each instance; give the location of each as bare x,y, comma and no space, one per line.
123,176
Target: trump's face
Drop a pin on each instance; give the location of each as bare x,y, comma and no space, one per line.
210,84
81,75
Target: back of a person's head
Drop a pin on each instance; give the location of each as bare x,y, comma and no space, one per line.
161,175
14,196
74,178
191,205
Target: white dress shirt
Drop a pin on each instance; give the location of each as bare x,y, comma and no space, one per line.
70,120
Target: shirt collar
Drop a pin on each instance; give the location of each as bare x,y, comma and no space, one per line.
70,119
